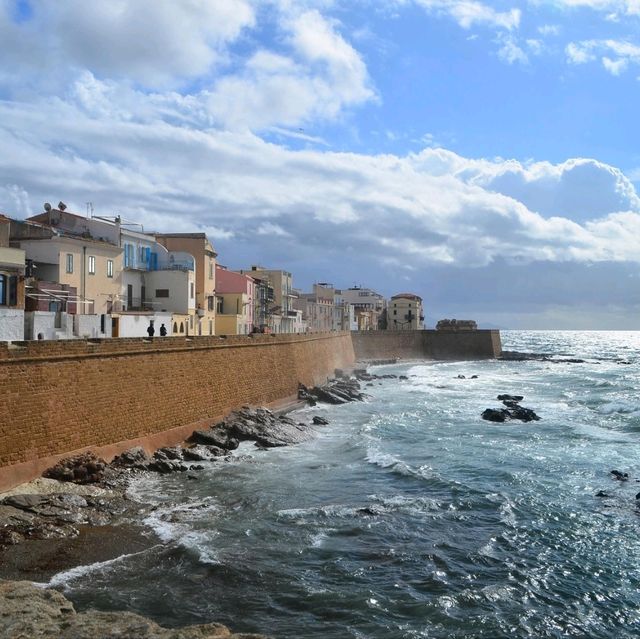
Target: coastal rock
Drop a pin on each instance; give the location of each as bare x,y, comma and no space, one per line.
265,429
217,436
339,391
53,516
132,458
513,410
510,398
86,468
27,611
495,414
200,452
319,421
620,476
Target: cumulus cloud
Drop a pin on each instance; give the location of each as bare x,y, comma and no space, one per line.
580,189
152,43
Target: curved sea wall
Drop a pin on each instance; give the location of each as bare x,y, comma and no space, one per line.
453,345
60,397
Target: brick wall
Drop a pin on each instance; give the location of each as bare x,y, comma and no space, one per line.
431,344
63,396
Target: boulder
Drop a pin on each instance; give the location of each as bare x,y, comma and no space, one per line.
86,468
495,415
319,421
132,458
27,610
620,476
217,436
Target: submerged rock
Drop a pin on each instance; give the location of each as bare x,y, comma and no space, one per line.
320,421
620,476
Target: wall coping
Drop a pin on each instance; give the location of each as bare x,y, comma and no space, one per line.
61,350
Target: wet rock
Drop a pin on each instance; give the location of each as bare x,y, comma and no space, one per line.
29,611
165,466
510,398
620,476
202,453
86,468
460,377
602,493
403,378
320,421
132,458
495,414
474,377
513,410
305,394
217,436
173,453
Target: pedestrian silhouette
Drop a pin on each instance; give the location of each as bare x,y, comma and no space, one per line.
151,331
163,330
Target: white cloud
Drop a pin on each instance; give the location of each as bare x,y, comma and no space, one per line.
626,7
511,52
153,43
469,13
615,55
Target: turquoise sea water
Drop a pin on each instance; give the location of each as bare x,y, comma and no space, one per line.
410,516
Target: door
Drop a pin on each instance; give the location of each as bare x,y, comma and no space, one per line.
115,327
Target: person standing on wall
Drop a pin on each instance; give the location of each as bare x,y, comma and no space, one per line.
150,330
163,330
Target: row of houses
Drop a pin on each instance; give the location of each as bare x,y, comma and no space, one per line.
64,275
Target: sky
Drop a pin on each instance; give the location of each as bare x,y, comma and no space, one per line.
484,155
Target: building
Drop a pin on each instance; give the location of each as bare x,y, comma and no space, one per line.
203,290
317,308
280,315
148,284
235,299
368,307
405,313
12,286
74,270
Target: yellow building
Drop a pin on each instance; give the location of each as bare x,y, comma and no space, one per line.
405,313
91,266
203,321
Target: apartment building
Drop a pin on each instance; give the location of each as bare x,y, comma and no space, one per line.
405,312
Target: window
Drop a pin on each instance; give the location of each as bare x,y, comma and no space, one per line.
193,291
92,265
162,292
210,269
69,262
8,290
128,255
211,303
109,269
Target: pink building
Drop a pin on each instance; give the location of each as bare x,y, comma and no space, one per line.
235,299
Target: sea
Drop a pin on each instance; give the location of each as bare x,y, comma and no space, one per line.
411,516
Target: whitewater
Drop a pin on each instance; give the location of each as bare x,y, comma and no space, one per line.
410,516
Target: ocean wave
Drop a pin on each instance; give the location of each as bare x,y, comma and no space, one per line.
621,407
176,523
66,576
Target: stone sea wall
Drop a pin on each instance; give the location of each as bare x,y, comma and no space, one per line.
430,344
62,397
107,395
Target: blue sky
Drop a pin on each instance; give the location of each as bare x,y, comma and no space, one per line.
483,155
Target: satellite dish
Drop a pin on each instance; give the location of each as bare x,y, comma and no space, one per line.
62,206
47,207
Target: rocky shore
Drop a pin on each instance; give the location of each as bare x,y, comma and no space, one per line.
27,612
79,513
